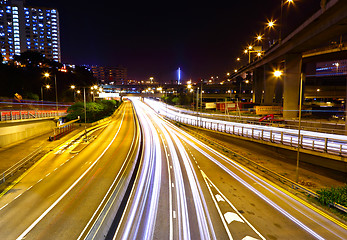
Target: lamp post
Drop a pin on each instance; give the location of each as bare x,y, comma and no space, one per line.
47,87
85,113
47,75
73,89
250,49
299,132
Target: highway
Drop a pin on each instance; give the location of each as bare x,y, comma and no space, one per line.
320,142
183,189
186,190
62,195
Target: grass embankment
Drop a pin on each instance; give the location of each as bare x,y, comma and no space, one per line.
95,110
333,195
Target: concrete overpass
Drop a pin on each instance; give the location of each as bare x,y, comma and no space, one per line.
317,31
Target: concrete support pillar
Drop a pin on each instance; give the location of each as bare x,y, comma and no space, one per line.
291,85
258,84
269,86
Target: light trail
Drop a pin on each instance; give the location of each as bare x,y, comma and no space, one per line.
192,142
316,141
146,195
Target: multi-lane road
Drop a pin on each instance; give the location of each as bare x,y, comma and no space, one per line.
181,189
61,196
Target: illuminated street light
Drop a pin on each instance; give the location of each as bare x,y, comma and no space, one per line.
259,37
72,86
277,73
270,24
47,75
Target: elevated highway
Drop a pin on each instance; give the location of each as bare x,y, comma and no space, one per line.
316,32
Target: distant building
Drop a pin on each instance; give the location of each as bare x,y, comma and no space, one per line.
110,75
25,28
330,68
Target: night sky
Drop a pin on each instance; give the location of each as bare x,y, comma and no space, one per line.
156,39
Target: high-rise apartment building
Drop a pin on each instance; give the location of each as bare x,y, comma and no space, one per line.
110,75
25,28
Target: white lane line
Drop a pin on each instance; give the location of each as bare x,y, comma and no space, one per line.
174,214
217,207
3,206
172,185
219,198
230,217
170,192
22,236
249,238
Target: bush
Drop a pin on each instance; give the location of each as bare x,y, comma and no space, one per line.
94,110
333,195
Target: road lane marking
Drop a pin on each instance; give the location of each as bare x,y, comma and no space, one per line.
174,214
219,198
230,217
249,238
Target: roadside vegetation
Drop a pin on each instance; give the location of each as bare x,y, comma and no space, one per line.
95,110
333,195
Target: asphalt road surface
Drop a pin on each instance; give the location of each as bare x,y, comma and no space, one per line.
187,190
59,196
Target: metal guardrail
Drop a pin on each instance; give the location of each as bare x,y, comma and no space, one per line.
310,141
30,114
10,171
273,174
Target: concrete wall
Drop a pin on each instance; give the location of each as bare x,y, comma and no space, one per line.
12,132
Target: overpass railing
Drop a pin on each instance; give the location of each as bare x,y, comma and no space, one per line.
29,114
319,142
333,144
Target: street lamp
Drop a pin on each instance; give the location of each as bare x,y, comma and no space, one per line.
47,86
277,73
281,17
47,75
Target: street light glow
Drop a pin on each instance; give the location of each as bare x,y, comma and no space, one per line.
259,37
278,73
73,86
271,23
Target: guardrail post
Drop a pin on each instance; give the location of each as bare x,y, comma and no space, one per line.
271,136
326,145
252,132
242,131
301,140
262,134
233,129
281,137
225,127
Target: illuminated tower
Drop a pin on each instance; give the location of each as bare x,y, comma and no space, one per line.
179,76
